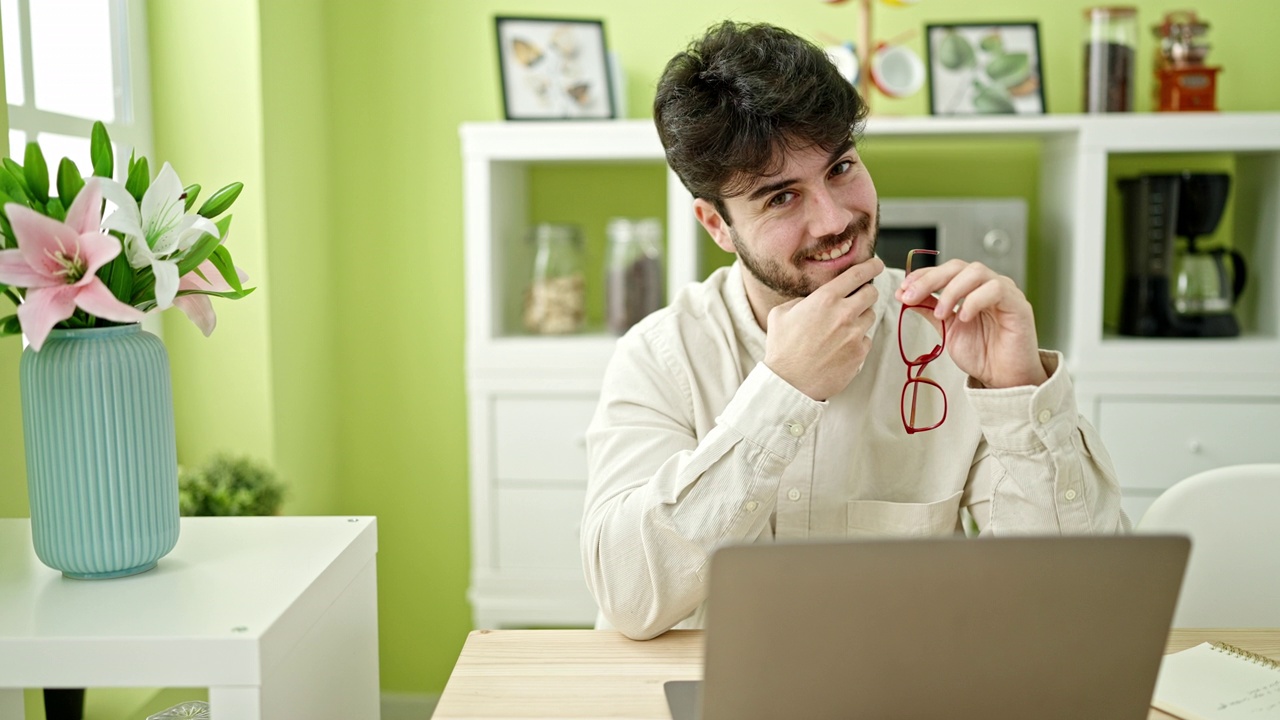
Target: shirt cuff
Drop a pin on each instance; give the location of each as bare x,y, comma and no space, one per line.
771,413
1022,419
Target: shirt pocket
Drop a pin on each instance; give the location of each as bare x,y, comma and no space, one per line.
895,519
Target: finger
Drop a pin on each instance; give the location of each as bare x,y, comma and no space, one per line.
986,296
968,280
864,298
848,282
926,312
924,281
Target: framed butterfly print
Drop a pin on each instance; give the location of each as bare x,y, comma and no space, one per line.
554,69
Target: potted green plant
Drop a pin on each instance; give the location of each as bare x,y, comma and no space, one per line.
229,484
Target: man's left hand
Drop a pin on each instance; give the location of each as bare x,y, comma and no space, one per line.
991,330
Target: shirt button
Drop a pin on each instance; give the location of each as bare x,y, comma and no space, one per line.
751,506
796,429
794,494
1044,416
1070,495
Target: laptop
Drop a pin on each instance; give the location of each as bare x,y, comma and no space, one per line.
995,628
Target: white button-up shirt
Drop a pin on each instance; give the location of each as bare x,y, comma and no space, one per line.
697,444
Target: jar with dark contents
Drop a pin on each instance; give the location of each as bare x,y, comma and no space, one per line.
633,272
1110,51
556,300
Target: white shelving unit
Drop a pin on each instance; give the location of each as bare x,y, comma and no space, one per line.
1166,408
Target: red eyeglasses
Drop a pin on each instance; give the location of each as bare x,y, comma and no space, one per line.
927,401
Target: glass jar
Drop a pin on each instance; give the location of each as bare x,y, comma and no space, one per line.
1110,50
556,299
633,272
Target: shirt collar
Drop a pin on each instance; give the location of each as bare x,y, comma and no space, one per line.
749,331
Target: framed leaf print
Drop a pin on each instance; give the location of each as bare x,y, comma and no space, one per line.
985,69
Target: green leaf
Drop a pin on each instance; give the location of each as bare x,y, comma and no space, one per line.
197,253
992,43
101,152
55,210
144,288
69,182
221,259
190,193
118,277
148,305
9,240
1011,69
955,52
37,172
992,99
224,226
10,325
220,201
139,179
17,178
231,295
11,189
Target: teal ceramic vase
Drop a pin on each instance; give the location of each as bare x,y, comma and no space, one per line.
102,467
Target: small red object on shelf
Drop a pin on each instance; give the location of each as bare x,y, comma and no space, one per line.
1183,81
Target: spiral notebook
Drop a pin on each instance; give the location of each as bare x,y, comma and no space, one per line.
1218,681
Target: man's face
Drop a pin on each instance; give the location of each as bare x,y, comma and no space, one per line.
796,230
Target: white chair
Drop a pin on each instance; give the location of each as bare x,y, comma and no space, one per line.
1233,517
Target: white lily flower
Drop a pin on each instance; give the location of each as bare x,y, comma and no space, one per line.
157,233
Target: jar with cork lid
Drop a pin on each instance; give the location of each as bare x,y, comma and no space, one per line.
556,300
633,272
1110,53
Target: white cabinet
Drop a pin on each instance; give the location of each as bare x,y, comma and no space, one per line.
1156,441
1166,408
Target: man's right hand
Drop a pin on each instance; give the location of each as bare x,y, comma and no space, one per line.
818,343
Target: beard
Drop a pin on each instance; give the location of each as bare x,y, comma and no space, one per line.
791,282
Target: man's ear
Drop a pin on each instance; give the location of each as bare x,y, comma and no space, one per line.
715,223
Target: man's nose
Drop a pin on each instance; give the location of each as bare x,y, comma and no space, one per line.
826,215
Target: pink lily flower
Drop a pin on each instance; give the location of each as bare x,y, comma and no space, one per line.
197,307
57,264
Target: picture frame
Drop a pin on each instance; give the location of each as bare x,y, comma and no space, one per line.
554,69
985,69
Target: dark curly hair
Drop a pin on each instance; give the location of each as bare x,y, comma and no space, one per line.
729,105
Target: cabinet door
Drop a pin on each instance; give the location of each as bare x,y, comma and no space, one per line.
539,527
541,438
1155,443
540,478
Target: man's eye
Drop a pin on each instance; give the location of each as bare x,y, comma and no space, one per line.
842,167
780,199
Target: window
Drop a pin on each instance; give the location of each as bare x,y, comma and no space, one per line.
68,63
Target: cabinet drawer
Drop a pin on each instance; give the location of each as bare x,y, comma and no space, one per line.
541,437
538,527
1157,443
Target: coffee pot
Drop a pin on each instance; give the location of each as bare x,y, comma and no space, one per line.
1202,284
1178,288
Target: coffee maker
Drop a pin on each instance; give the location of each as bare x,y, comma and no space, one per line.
1174,289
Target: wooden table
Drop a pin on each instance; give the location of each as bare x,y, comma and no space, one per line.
277,616
527,674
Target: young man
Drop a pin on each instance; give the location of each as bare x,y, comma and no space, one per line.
772,400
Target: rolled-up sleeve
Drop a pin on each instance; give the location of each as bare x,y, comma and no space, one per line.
1041,467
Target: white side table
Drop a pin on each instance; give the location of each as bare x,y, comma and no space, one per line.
277,616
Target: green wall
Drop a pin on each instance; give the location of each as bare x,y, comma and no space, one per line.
404,75
346,368
13,471
206,79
